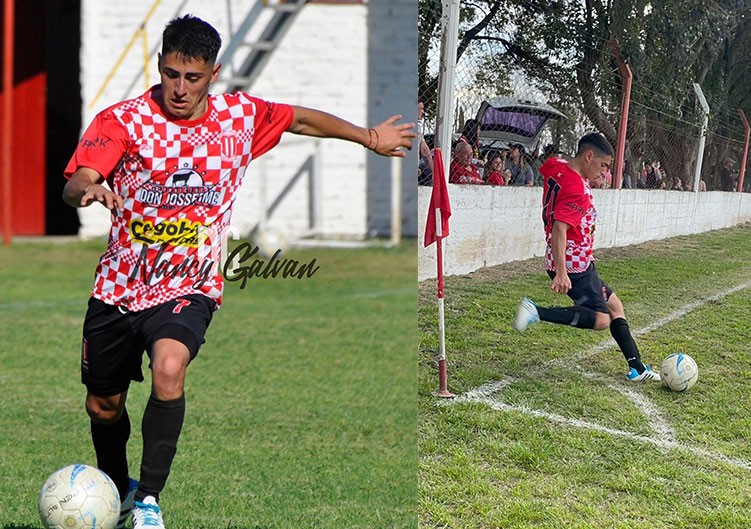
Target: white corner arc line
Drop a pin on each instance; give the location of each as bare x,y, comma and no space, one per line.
665,436
483,395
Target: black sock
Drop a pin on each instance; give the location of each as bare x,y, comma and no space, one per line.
162,423
622,335
579,317
110,441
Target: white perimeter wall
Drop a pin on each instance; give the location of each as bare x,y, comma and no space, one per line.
491,226
321,63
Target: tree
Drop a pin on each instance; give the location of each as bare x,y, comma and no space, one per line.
563,49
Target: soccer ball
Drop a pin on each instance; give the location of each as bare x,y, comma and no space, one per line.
679,372
79,497
269,241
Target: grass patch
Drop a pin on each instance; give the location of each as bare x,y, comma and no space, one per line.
301,406
528,464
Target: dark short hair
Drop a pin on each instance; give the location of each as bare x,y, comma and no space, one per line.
551,149
191,38
597,142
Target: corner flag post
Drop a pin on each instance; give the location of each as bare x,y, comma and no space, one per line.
444,127
442,367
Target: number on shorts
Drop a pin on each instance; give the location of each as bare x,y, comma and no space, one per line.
180,304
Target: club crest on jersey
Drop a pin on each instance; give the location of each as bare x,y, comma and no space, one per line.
228,145
183,187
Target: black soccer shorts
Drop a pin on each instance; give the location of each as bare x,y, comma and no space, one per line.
114,339
588,290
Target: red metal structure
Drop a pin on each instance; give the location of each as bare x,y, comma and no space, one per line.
8,48
747,130
23,116
620,147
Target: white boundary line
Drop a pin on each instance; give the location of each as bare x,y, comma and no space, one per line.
607,344
484,394
664,434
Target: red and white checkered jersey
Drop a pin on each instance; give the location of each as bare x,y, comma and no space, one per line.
179,180
566,196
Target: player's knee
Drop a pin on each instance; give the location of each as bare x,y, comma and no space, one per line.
103,410
602,321
616,307
168,369
168,366
169,358
168,378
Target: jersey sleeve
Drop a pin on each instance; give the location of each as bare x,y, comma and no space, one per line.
272,120
102,146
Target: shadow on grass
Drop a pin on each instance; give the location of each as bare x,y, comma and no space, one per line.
15,526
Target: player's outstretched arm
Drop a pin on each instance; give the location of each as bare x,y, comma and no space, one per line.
84,188
386,139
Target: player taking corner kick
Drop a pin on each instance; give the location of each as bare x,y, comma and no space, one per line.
569,218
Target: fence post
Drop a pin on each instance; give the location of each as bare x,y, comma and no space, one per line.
620,149
702,135
396,201
747,130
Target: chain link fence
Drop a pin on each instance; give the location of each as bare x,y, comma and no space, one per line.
545,102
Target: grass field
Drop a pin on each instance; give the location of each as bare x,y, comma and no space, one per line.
546,433
301,406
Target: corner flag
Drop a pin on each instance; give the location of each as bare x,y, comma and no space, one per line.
436,228
439,200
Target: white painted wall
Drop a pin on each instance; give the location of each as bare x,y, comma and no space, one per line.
491,225
321,63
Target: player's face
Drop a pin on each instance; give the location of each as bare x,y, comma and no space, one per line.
597,168
185,85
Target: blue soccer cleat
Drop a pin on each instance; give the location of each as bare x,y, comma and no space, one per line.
526,315
126,504
147,514
647,374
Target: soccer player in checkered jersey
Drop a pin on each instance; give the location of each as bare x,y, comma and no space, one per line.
569,217
173,160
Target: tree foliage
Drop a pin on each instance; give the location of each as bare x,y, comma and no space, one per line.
565,49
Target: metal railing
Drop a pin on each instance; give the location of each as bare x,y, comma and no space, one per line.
139,32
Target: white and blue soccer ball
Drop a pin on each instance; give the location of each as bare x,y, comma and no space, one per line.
679,372
79,497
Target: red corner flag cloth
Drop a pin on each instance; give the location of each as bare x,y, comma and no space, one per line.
439,199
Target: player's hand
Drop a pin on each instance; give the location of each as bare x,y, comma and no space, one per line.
388,138
561,283
99,193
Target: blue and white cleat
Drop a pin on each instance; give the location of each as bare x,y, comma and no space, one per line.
147,514
647,374
126,504
526,315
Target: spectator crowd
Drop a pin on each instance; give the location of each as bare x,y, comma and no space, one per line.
513,165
